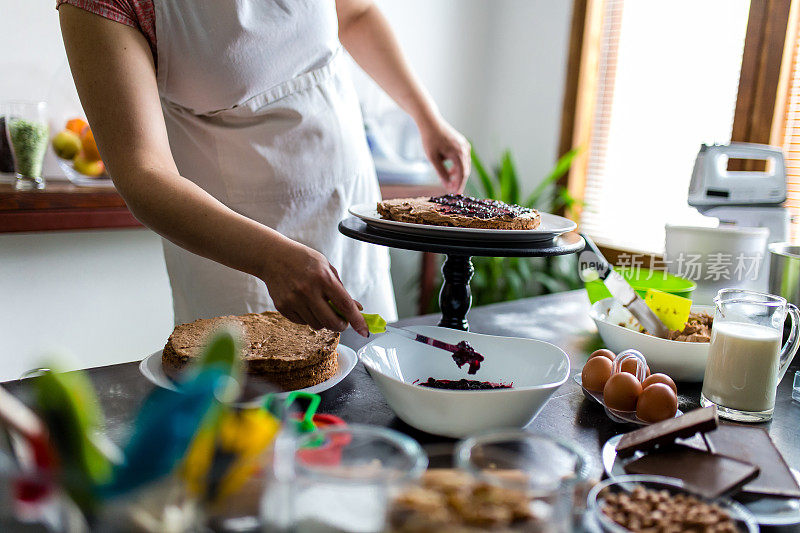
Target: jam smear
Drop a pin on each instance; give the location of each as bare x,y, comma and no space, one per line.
466,354
458,204
462,384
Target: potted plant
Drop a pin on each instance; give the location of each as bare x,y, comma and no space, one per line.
499,279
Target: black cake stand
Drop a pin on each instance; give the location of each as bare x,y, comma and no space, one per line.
455,296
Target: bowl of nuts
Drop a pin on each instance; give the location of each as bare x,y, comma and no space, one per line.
655,503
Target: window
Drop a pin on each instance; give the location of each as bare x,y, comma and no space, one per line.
666,79
791,129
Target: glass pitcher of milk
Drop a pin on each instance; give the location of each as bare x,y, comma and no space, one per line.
745,358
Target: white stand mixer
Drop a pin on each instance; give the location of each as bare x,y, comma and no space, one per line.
742,198
748,205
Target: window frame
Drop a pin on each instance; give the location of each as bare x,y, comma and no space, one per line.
772,26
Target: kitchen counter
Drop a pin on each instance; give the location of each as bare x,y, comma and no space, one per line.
561,319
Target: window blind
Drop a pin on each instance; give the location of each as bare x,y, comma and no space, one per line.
667,82
791,142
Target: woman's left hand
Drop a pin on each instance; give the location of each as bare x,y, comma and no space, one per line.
443,143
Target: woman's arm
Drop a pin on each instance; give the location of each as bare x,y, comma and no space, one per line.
115,76
366,34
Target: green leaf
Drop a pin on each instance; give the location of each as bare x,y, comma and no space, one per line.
549,282
525,268
561,167
513,285
509,185
483,175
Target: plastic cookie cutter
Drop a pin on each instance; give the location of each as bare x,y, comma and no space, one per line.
306,421
303,421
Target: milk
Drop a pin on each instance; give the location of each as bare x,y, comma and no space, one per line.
742,367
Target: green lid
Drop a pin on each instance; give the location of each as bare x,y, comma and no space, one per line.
642,279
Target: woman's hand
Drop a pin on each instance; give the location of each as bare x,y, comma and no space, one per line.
369,39
300,282
443,143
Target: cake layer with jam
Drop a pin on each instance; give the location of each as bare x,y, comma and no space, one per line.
457,210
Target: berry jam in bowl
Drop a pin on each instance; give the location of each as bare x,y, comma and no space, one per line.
427,390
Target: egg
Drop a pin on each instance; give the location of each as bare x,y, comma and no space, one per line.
630,365
660,378
657,402
596,372
621,392
603,352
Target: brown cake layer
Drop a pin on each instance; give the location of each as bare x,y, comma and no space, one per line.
459,211
274,348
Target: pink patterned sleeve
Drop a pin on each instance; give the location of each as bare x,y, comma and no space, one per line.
138,14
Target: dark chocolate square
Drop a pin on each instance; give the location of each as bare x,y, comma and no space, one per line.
707,474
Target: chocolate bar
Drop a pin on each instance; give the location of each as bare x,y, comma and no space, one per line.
754,445
704,473
665,432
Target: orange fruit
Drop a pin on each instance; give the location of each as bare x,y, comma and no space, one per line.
90,151
76,125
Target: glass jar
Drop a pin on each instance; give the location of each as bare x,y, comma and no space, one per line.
28,135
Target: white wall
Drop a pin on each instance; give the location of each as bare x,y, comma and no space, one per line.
526,71
97,296
33,64
495,68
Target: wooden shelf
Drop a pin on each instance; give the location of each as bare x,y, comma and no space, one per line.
63,206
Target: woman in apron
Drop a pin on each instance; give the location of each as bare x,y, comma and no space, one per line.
231,128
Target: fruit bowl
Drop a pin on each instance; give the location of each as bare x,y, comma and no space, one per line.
82,180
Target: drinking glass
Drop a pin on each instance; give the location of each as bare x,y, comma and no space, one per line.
28,136
553,472
340,478
745,359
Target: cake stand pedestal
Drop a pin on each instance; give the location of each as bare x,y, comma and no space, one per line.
455,296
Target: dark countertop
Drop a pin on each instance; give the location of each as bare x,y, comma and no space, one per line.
561,319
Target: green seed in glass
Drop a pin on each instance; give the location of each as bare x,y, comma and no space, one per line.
29,142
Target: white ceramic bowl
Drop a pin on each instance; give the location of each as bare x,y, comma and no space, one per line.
536,368
682,361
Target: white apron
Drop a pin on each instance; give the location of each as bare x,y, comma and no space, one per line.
261,114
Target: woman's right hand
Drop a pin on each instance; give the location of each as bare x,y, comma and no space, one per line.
301,281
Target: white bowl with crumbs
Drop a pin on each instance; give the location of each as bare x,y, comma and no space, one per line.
682,361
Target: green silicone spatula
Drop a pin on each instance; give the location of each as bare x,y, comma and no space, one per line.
462,352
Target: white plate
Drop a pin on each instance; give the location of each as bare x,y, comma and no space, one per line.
550,227
766,511
534,368
682,361
151,368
